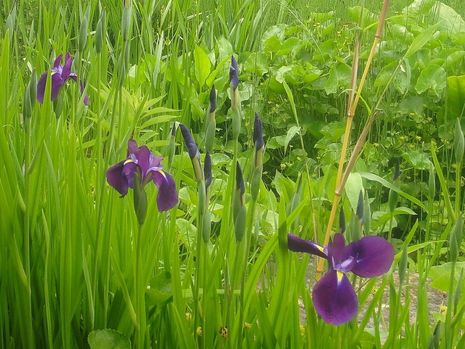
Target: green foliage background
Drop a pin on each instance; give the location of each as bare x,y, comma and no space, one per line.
70,248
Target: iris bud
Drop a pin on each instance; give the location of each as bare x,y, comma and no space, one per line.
83,31
126,20
99,33
258,133
193,152
29,97
207,170
233,74
239,211
211,122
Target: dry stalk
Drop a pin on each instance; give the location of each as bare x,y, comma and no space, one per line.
353,102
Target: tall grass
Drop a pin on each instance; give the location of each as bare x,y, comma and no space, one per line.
74,258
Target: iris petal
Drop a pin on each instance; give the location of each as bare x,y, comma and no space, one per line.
132,147
41,87
143,160
373,256
117,179
57,84
340,254
67,67
57,61
167,197
334,298
129,170
297,244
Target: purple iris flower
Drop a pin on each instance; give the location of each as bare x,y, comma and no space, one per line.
333,296
142,165
60,75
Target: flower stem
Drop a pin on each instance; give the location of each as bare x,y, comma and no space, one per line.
139,292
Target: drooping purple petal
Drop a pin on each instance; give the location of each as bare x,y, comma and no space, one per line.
373,256
57,84
167,196
41,87
334,298
129,170
297,244
117,179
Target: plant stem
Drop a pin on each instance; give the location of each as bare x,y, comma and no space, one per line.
140,292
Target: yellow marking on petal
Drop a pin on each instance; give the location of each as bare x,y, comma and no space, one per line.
162,173
128,161
321,249
340,275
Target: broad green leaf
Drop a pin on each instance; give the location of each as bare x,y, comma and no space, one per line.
294,130
382,221
362,16
353,187
455,58
373,177
202,65
225,49
448,19
339,78
158,120
421,40
273,37
404,210
108,339
440,275
455,97
418,159
160,290
256,63
332,131
402,77
419,7
432,78
281,72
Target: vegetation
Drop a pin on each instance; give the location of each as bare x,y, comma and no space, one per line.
273,118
